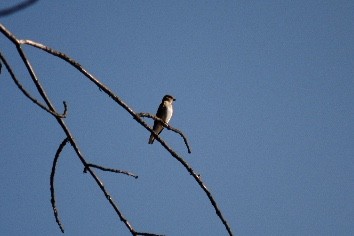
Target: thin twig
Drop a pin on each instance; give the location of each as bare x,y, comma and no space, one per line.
52,174
148,234
18,7
18,84
167,126
110,170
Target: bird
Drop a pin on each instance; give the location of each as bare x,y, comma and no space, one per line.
164,112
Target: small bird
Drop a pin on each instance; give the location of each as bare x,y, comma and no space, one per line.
164,113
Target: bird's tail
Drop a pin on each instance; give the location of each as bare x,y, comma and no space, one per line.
151,139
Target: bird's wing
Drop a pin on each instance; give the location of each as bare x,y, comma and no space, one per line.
158,127
161,110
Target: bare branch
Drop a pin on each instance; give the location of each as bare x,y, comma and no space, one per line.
65,110
24,91
167,126
110,170
52,193
18,7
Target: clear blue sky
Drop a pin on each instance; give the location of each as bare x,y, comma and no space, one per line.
264,93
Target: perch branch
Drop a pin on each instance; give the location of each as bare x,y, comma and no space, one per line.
167,126
110,170
52,193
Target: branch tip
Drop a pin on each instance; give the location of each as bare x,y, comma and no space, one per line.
109,170
52,174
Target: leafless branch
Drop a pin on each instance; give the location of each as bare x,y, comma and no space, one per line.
167,126
105,89
18,7
8,68
52,174
110,170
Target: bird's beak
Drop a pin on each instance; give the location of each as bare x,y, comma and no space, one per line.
174,99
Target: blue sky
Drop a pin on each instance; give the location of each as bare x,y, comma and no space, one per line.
264,93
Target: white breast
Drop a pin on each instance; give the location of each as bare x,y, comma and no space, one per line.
168,113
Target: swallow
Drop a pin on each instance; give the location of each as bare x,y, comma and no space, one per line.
164,112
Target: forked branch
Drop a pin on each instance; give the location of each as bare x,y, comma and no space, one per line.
24,91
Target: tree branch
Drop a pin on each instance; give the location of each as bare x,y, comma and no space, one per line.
148,234
24,91
110,170
18,7
52,193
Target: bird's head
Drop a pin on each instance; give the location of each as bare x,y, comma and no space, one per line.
168,98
